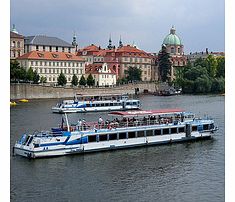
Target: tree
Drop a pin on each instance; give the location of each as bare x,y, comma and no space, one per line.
14,69
61,79
29,74
36,77
82,81
133,74
211,66
90,81
74,80
220,67
164,64
43,79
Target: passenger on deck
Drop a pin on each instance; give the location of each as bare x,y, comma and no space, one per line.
100,121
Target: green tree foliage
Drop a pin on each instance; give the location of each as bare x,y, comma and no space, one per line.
203,76
43,79
74,80
90,81
82,81
164,64
133,74
36,77
30,74
61,79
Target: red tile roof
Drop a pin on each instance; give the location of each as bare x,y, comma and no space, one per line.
94,69
46,55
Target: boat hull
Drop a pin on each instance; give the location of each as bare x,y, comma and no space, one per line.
108,145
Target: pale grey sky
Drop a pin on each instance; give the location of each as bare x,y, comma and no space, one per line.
200,24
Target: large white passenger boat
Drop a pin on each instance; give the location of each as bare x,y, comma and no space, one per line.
93,103
128,129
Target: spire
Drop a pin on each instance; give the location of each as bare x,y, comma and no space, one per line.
74,43
14,29
172,30
110,43
120,42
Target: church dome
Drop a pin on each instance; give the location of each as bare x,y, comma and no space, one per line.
172,38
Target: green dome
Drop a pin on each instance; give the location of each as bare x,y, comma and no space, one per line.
172,38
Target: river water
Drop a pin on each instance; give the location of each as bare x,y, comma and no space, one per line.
178,172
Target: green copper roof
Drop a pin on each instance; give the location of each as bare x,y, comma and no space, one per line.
172,38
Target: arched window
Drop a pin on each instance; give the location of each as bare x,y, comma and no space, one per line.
172,49
178,50
18,44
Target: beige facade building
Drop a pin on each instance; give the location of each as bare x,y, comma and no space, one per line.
17,44
51,64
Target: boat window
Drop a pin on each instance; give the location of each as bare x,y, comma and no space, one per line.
101,104
30,140
173,130
106,104
93,105
111,104
140,134
26,140
206,127
92,138
128,103
122,135
103,137
113,136
157,132
134,103
194,128
211,126
165,131
149,133
181,129
131,134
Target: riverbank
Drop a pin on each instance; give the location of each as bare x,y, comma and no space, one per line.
34,91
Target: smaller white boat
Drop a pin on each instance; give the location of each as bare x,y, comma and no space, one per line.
97,103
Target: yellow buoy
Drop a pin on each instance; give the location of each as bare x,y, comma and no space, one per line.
23,100
12,103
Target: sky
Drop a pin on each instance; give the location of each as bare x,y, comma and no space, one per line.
199,24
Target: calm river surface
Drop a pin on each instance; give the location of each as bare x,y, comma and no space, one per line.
178,172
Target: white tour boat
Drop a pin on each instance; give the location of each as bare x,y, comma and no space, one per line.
93,103
128,129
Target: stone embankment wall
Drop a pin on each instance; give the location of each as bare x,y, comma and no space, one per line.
31,91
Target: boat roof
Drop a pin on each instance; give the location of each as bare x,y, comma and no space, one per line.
100,95
146,112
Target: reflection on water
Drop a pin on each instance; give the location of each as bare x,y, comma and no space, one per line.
178,172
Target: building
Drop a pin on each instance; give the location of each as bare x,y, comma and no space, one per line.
88,53
193,56
50,64
175,48
47,43
17,43
103,74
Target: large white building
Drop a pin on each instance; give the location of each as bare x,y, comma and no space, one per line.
51,64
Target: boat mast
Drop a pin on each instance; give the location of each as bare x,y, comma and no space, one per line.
67,122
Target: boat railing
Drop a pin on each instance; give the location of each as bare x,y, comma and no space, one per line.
118,124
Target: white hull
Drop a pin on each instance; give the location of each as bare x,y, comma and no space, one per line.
91,109
107,145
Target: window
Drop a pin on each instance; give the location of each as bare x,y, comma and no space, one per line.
50,48
149,133
140,134
113,136
92,138
62,49
43,48
18,44
181,129
173,130
69,50
172,49
37,48
157,132
103,137
131,134
56,48
122,135
165,131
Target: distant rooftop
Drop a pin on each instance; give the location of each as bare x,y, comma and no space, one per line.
43,40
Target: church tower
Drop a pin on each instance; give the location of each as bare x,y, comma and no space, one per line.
120,43
110,43
74,43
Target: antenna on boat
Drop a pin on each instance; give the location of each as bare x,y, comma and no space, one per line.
67,122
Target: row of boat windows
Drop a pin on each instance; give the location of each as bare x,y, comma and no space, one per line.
147,133
110,104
